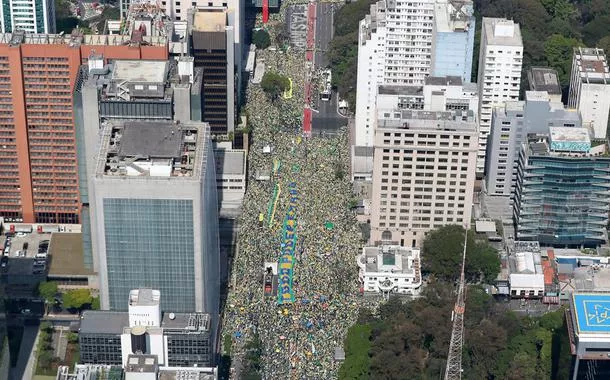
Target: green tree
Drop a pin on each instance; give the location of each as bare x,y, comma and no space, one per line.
72,337
274,84
261,39
442,255
95,303
48,291
357,346
604,43
77,298
558,51
252,359
46,326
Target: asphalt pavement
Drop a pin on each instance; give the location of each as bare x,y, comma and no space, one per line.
327,119
24,370
324,32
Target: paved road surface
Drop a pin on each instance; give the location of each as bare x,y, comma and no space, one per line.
324,32
25,363
327,119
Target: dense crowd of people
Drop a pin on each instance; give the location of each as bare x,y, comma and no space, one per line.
298,338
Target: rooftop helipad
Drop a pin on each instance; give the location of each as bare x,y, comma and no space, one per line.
592,312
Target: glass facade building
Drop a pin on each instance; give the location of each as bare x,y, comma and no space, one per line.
562,200
150,243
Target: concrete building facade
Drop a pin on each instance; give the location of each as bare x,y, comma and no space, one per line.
499,80
155,215
511,123
38,74
448,93
31,16
590,89
394,47
423,175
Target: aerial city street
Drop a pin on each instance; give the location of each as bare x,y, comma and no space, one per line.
304,190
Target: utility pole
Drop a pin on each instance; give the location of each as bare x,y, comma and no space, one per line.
454,359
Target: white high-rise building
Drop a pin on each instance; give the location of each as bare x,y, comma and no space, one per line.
590,89
394,48
499,80
30,15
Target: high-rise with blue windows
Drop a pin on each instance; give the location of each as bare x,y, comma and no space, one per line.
563,187
156,222
32,16
453,39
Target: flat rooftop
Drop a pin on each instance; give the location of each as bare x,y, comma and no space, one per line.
113,322
230,161
153,149
499,31
144,297
140,71
400,90
30,240
544,79
592,311
568,134
449,80
159,140
66,251
209,21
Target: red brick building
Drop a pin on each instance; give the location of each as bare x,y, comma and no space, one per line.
38,168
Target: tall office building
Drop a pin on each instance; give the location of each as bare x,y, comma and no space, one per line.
155,207
180,15
590,89
212,41
437,94
424,173
500,60
453,39
561,197
127,90
511,123
37,78
394,47
31,16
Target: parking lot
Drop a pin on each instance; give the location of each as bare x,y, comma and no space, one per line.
23,245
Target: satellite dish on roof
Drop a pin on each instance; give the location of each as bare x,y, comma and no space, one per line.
172,316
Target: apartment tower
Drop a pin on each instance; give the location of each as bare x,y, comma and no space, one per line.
590,89
38,75
394,47
500,61
31,16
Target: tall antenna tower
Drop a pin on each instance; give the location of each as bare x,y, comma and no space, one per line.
454,359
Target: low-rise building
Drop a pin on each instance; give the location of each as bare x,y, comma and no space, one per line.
526,277
175,339
390,269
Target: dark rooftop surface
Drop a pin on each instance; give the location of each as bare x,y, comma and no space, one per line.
544,79
149,139
444,81
66,251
